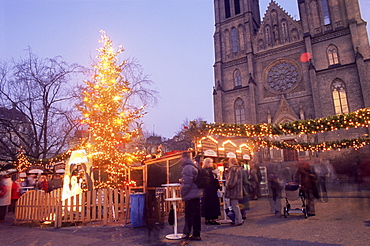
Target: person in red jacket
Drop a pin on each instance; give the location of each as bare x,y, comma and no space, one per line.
16,193
43,184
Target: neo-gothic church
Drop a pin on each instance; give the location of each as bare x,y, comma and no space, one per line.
281,69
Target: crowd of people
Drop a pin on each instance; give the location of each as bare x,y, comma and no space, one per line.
241,185
11,190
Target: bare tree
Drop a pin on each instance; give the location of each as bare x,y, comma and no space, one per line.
42,114
140,92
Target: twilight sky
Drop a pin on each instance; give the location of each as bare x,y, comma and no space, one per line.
172,39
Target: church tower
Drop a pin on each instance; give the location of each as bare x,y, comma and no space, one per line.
280,69
237,21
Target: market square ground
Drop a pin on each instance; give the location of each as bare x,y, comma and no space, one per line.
344,220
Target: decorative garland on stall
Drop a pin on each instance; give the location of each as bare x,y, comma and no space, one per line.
324,146
359,118
23,162
356,119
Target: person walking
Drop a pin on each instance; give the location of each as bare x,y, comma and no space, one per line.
190,194
308,180
234,189
322,172
244,203
275,194
5,195
210,200
43,184
16,194
254,180
55,183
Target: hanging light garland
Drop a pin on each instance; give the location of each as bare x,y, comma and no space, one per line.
359,118
24,162
356,143
356,119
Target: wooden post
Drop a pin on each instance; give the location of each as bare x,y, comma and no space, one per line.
168,171
105,207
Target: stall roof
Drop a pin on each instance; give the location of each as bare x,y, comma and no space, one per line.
165,158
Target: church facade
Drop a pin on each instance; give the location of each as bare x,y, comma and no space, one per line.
281,69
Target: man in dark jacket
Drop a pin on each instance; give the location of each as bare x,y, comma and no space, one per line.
191,195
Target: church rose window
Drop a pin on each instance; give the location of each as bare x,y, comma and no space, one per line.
282,76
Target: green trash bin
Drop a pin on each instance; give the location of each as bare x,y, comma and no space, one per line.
137,209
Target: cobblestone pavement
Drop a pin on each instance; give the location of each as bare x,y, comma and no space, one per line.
343,220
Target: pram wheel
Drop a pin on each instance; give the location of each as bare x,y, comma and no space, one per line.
285,212
304,210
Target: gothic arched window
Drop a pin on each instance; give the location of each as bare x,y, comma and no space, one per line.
284,30
237,6
325,11
268,34
239,111
237,78
333,56
241,37
339,97
227,8
226,40
234,39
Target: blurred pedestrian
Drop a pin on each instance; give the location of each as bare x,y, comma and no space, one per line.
190,194
15,195
275,194
358,175
43,183
308,180
322,172
31,180
234,189
210,200
254,181
5,195
55,183
244,203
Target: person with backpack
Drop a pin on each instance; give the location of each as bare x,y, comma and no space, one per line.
210,200
5,195
191,193
234,189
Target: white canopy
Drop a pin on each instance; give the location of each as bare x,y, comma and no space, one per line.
38,171
210,152
60,171
78,156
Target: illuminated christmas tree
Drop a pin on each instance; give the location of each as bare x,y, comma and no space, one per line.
111,125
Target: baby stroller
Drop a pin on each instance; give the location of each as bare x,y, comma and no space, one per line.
294,197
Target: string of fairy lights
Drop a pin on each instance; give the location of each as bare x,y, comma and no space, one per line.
24,162
111,125
259,132
355,143
356,119
109,122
